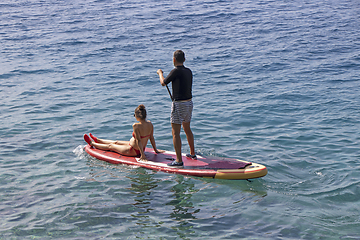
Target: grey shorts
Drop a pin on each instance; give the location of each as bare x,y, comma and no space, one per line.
181,112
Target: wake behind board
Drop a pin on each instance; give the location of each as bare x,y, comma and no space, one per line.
208,167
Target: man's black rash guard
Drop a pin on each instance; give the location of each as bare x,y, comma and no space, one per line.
181,78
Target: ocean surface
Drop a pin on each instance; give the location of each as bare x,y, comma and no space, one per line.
275,82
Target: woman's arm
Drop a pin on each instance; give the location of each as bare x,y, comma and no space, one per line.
152,141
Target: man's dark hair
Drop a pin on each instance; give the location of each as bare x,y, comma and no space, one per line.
179,56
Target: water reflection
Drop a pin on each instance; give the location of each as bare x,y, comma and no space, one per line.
183,208
141,186
163,200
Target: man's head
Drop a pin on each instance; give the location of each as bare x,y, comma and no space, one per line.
179,56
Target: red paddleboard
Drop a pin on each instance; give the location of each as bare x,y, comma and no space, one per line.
208,167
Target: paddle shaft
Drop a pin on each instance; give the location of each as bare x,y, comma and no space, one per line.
169,93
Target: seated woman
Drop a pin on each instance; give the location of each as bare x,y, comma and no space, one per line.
143,131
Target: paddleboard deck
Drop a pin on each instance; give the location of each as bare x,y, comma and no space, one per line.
208,167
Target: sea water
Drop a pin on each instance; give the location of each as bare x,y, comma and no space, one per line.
275,82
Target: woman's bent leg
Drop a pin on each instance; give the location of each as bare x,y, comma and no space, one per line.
123,149
104,141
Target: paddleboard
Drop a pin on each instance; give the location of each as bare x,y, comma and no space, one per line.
207,167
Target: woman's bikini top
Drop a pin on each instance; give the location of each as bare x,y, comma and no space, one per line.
133,134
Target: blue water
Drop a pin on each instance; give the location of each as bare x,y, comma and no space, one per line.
275,82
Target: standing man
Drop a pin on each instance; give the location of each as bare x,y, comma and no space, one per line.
182,105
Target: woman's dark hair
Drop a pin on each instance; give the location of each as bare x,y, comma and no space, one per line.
140,112
179,56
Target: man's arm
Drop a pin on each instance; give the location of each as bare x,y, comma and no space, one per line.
161,76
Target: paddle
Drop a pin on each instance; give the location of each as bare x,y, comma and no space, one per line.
169,93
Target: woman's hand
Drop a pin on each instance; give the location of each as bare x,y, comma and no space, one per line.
143,158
